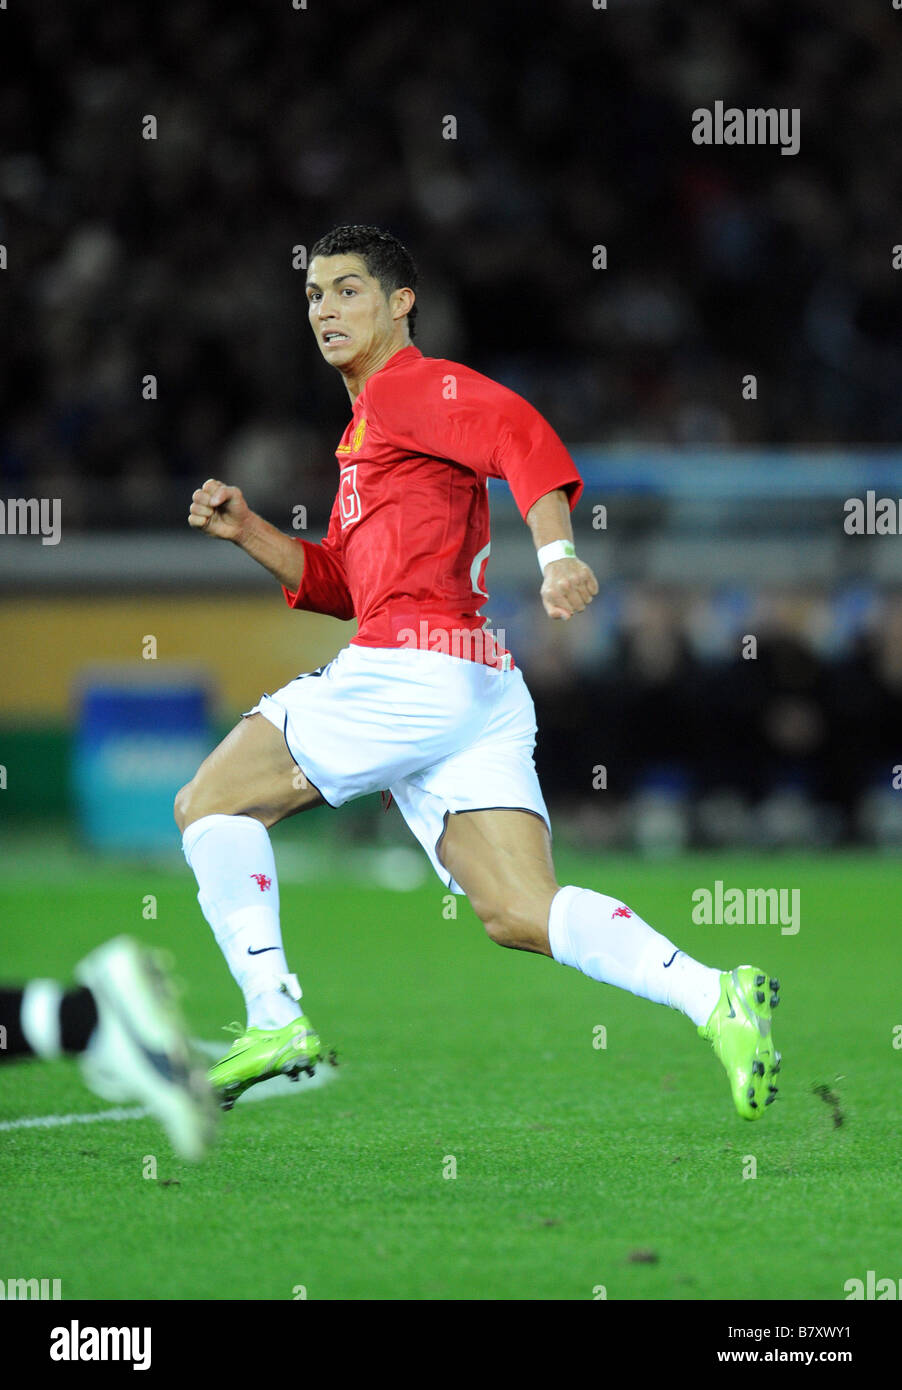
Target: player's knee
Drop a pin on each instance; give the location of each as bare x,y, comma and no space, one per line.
200,797
508,921
185,807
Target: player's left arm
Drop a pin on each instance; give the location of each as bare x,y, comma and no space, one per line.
568,584
490,429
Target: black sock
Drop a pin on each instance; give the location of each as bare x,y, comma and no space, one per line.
78,1019
12,1039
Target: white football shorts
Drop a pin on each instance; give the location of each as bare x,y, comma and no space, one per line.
441,733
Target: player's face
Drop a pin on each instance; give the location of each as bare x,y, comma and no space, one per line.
348,312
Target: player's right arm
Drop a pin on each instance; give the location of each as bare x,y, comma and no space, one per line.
221,511
312,576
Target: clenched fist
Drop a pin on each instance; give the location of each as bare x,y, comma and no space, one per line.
568,587
219,510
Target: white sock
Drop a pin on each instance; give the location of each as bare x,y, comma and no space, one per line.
605,939
39,1017
233,863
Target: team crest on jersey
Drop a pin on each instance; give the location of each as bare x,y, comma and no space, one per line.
357,439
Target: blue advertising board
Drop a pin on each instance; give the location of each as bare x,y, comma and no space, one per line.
137,742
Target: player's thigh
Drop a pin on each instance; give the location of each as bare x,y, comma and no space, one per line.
251,773
502,860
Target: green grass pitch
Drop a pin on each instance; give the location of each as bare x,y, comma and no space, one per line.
577,1167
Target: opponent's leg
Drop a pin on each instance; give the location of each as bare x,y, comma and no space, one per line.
248,783
124,1024
502,860
43,1020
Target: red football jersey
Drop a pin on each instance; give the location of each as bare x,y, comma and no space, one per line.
408,538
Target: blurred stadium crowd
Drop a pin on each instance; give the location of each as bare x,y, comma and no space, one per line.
671,728
172,257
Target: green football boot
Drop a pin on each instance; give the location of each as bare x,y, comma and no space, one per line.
739,1030
258,1054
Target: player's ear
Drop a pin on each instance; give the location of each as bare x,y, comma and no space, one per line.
402,301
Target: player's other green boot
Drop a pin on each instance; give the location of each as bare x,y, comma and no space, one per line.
258,1054
739,1030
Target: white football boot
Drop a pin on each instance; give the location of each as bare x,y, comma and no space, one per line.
140,1049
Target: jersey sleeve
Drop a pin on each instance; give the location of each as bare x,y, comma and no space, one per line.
484,427
324,584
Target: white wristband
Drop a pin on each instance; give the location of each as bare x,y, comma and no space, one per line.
557,550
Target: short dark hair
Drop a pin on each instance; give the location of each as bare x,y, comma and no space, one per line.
383,255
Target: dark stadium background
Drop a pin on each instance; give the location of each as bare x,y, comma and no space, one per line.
724,515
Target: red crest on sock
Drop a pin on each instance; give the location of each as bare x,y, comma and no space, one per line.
262,881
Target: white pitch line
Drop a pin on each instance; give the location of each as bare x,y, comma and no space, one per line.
132,1112
278,1086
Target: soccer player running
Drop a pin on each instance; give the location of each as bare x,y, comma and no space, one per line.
424,701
